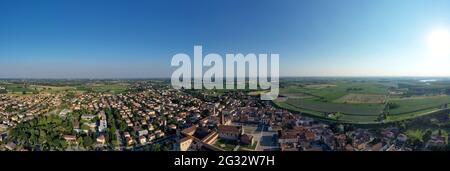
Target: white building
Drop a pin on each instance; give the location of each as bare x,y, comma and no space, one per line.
102,125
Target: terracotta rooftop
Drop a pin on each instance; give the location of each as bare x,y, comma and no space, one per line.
184,139
210,136
190,130
228,128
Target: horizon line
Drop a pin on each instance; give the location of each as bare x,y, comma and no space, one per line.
140,78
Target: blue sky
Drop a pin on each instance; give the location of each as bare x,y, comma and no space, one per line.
137,38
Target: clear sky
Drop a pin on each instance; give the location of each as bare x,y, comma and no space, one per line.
137,38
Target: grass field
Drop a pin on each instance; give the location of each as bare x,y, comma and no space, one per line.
111,87
18,88
355,109
349,118
363,101
411,115
408,105
362,98
52,89
335,91
227,146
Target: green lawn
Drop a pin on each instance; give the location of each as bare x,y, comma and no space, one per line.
227,146
410,105
335,90
344,117
250,147
399,117
18,88
351,109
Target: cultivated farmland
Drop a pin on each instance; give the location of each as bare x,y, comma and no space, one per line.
364,100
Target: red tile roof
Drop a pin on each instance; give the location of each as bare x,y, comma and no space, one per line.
230,129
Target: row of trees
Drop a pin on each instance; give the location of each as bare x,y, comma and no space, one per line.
111,131
44,132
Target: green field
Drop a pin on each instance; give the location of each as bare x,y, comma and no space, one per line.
363,101
57,87
354,109
52,89
408,105
334,91
18,88
112,88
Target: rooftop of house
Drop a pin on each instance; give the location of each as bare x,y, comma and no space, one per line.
209,136
101,137
289,134
70,137
229,128
246,137
377,147
187,138
189,130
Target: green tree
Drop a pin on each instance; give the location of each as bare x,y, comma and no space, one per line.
87,141
122,126
34,139
156,147
402,126
80,141
427,135
42,136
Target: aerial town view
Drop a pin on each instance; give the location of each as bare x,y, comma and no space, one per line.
309,75
311,114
